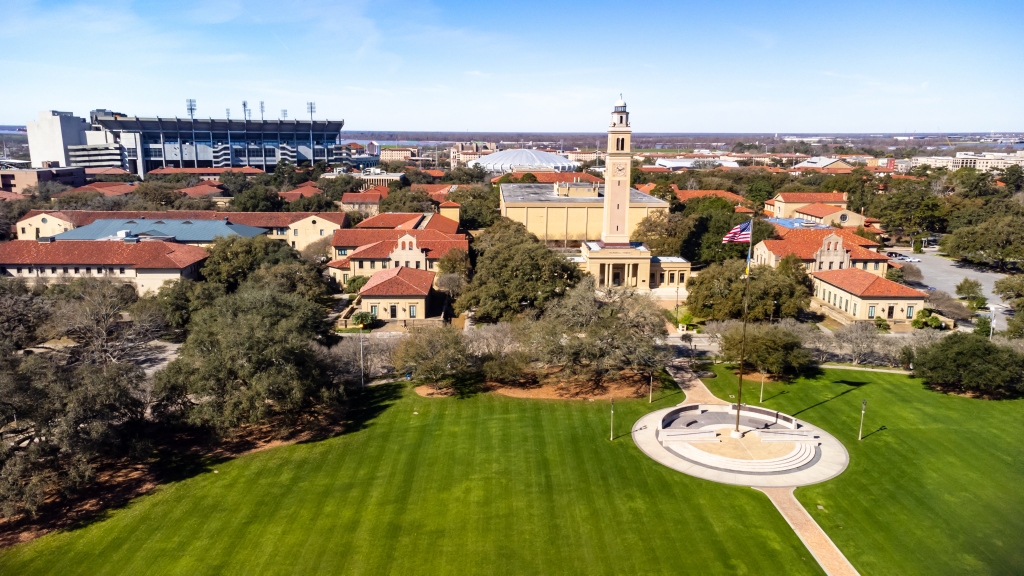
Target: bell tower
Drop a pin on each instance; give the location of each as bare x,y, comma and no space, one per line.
616,177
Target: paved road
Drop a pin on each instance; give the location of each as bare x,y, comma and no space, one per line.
944,274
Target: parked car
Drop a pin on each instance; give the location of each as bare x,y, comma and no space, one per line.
912,259
893,254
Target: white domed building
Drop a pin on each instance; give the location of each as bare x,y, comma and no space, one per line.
524,160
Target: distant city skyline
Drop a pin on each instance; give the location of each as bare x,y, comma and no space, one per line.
786,67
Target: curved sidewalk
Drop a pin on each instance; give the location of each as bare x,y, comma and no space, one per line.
828,555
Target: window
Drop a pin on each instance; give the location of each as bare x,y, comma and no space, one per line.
876,265
295,232
671,277
344,278
843,217
321,231
65,269
342,251
661,278
360,263
373,264
53,270
854,308
910,312
820,264
406,263
403,245
417,265
76,269
44,220
829,265
840,265
19,270
871,311
373,311
412,311
122,270
430,264
22,229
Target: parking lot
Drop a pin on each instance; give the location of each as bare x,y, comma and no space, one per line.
944,274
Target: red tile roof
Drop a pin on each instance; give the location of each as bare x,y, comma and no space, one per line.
377,250
742,209
442,224
260,219
202,190
819,210
435,243
450,204
307,184
106,171
553,177
382,190
437,192
687,195
399,281
142,255
818,235
812,197
866,284
109,189
434,173
301,192
361,198
240,169
11,196
392,220
769,202
654,169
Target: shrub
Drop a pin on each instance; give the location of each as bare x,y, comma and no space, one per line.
363,318
356,283
970,362
881,324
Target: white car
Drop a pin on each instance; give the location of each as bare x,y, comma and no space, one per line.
912,259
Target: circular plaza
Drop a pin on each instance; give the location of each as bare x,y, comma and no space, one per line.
772,449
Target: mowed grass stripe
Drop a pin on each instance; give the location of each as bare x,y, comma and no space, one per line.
484,485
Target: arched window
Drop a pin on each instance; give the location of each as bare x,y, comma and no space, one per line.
403,245
620,119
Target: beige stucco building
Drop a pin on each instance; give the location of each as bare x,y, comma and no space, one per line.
785,204
145,265
613,260
822,250
400,293
298,229
853,295
18,180
571,211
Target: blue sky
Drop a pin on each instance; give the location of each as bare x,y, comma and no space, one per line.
528,66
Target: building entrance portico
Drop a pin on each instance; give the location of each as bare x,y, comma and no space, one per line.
615,266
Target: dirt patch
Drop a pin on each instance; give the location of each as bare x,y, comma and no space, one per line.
754,375
556,392
428,391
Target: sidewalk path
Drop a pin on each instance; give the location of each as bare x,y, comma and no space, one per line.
828,366
821,546
695,390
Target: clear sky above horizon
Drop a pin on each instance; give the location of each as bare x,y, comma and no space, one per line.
784,66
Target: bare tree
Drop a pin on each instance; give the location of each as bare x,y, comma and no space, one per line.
860,338
947,305
912,273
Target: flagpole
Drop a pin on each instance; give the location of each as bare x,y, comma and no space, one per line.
743,340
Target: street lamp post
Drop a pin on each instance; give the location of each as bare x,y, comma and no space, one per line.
863,408
611,435
362,379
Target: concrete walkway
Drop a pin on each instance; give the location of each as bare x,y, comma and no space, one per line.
824,550
832,561
859,368
695,390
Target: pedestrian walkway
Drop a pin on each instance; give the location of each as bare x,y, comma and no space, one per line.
695,390
862,369
831,559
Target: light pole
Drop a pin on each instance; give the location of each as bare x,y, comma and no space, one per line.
611,434
362,379
651,389
863,408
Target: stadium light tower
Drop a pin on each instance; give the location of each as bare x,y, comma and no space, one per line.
311,108
284,114
190,105
262,110
227,113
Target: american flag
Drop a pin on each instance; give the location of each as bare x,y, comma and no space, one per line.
740,233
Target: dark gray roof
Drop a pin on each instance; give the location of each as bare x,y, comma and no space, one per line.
546,193
136,124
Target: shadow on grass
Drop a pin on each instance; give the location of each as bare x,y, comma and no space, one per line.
826,401
178,454
873,433
776,395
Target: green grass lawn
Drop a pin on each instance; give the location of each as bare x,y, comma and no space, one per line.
484,485
935,487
